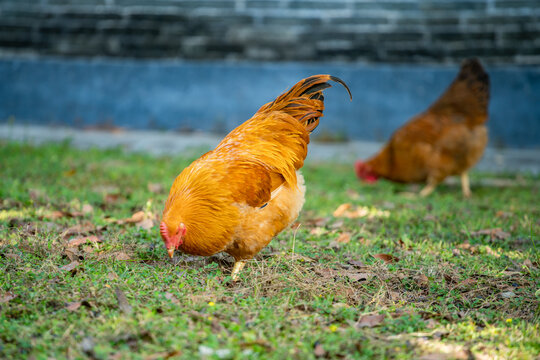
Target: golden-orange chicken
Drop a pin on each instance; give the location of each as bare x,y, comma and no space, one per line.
237,197
447,139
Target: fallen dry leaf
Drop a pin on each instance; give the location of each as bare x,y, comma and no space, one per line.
55,215
422,280
491,252
364,241
6,297
400,313
394,295
364,211
163,355
356,263
83,240
344,238
345,210
319,222
72,253
318,350
449,278
88,249
467,246
140,219
358,213
400,243
155,188
528,263
123,303
135,218
87,209
317,231
295,225
437,350
103,189
342,209
338,224
503,214
496,233
122,256
435,356
111,198
70,267
146,224
466,282
85,227
387,258
370,320
73,306
432,323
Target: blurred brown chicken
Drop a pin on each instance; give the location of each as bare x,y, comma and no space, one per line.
447,139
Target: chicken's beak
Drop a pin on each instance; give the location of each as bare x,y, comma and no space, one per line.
171,252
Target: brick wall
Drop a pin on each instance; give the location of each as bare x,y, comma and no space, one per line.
498,31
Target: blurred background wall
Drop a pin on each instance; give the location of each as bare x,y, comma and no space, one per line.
209,64
499,31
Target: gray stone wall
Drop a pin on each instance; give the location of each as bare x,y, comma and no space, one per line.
497,31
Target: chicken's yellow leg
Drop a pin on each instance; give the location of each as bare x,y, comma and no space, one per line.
431,185
465,185
428,189
238,266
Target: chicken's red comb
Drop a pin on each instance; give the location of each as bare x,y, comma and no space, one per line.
164,231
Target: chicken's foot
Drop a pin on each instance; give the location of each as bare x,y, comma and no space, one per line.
465,185
238,266
428,189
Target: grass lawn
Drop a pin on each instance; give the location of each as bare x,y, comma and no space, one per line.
84,273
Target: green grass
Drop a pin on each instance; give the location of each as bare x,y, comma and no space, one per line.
452,293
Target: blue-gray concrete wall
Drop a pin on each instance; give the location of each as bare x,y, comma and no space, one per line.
219,96
435,31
